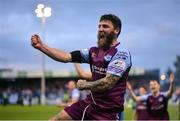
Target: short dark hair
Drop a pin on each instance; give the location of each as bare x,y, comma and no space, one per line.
144,87
114,19
155,81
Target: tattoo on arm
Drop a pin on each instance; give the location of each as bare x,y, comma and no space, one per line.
103,84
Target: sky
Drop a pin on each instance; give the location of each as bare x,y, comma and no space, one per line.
150,30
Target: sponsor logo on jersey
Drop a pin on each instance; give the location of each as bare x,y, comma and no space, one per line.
119,64
99,70
93,55
157,107
108,57
122,55
160,99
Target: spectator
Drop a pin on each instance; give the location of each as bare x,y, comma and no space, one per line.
74,95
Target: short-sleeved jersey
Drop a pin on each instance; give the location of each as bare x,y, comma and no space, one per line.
115,60
141,111
157,106
75,94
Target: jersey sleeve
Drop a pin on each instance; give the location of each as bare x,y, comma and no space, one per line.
80,56
164,94
75,94
144,97
120,62
85,55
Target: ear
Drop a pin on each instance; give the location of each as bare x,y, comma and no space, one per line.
116,31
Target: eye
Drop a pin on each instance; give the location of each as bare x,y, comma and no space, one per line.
105,26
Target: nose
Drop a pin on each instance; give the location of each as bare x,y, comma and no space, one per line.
101,28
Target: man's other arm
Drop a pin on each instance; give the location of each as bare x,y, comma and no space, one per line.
82,73
132,94
55,54
171,82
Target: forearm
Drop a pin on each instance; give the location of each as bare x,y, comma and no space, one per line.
102,85
56,54
133,95
82,73
169,92
79,70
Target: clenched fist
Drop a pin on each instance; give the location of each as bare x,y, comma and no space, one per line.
36,41
81,84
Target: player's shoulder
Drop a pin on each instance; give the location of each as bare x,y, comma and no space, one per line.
122,49
148,94
164,94
86,51
93,48
122,52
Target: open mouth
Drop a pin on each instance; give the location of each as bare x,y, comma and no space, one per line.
152,89
101,36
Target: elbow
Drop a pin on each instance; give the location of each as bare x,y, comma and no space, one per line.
136,100
64,60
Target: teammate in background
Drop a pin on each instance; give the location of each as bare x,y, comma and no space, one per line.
88,75
141,112
156,101
74,95
110,64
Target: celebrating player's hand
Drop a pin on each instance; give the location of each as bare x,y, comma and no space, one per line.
171,78
81,84
36,41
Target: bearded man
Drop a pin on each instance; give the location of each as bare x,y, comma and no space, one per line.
110,64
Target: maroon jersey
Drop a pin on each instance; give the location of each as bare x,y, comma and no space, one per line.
117,61
157,107
141,111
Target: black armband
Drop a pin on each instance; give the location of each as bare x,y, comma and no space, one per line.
76,56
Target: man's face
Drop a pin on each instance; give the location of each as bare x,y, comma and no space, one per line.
71,85
154,86
106,34
142,91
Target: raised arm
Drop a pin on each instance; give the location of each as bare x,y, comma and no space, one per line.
55,54
133,95
82,73
100,85
171,84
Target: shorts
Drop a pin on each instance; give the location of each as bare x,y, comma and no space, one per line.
82,110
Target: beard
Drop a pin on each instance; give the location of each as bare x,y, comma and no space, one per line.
105,39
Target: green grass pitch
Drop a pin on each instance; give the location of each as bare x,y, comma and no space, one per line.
15,112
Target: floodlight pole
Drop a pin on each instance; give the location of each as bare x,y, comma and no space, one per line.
43,12
43,79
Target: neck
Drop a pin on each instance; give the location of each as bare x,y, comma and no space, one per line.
156,94
114,42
